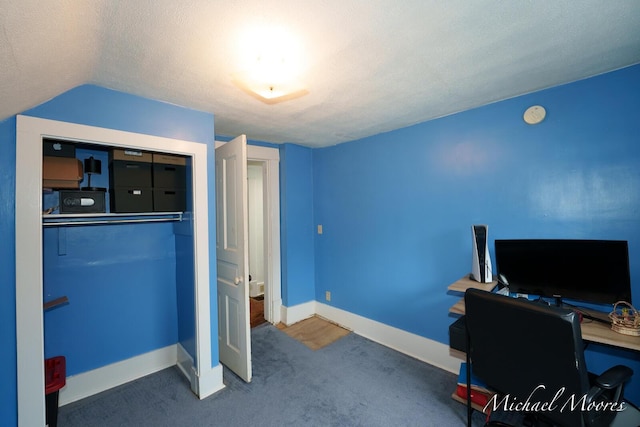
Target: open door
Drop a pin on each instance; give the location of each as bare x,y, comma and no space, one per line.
233,257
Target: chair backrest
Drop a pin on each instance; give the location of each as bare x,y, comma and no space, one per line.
529,352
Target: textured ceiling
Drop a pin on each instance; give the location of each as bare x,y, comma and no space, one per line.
370,66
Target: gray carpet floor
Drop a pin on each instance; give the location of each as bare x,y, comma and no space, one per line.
352,382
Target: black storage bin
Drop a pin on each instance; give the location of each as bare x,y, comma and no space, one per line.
82,201
169,200
458,335
124,173
130,168
169,176
130,181
131,199
169,182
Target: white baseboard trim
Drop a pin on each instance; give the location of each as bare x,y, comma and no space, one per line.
432,352
296,313
98,380
185,364
211,381
276,311
208,382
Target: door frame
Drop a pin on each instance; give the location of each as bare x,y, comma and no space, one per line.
273,286
28,247
270,157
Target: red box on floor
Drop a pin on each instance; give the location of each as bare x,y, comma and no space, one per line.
54,379
54,374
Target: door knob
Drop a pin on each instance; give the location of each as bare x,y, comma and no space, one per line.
237,280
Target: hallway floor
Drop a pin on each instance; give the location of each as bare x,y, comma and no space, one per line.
256,307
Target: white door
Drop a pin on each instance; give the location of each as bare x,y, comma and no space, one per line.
233,257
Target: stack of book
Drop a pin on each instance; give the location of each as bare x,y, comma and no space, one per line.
480,394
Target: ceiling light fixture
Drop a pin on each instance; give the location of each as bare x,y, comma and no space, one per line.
271,62
269,93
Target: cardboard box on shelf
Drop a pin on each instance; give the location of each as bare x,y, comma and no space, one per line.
130,155
61,172
169,159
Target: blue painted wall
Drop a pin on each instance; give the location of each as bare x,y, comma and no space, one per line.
397,207
153,246
296,224
121,285
8,402
96,106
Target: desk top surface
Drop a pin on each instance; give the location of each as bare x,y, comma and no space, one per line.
466,282
602,333
591,330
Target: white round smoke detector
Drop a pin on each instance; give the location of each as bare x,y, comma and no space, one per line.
534,114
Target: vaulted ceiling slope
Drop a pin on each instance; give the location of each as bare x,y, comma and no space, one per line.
369,66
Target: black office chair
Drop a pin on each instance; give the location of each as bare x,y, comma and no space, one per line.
528,350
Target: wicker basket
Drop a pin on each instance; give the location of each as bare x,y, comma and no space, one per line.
625,319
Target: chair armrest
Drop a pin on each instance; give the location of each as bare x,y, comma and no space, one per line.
613,377
607,388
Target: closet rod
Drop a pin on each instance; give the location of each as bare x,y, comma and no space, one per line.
108,221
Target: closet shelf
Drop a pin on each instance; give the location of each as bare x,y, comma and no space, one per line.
108,218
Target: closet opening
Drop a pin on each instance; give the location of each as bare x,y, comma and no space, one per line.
205,378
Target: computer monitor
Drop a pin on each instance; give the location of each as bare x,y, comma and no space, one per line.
595,271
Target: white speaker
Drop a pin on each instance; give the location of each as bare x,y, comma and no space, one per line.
481,261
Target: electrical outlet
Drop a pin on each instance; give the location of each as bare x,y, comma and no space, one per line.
319,228
327,295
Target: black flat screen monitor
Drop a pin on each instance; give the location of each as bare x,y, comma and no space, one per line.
594,271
